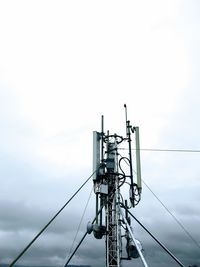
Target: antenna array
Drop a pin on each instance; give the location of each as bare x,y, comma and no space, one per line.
109,178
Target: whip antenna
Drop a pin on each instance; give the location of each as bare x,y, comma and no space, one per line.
126,117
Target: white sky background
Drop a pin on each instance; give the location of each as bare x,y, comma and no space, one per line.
65,63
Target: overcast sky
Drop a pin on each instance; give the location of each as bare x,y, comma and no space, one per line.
62,65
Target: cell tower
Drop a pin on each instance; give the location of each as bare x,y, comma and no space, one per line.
113,200
112,220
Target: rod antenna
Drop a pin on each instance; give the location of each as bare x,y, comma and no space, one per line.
102,134
126,118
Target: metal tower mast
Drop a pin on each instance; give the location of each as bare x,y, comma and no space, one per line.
113,236
108,179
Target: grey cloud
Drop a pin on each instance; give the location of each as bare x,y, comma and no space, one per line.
19,216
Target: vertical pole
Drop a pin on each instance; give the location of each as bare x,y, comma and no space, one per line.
102,159
96,165
117,203
102,135
126,118
126,231
97,208
128,135
130,159
113,237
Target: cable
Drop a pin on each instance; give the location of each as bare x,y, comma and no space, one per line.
53,218
80,222
134,240
134,191
80,242
171,150
174,217
166,249
165,150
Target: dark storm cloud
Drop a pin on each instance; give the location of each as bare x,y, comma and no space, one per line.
173,238
19,223
17,216
163,226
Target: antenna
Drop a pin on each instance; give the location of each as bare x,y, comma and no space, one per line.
138,164
126,117
102,134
